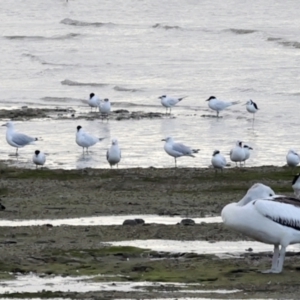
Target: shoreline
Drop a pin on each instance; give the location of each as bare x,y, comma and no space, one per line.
82,250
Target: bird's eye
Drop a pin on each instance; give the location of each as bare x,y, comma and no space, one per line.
270,195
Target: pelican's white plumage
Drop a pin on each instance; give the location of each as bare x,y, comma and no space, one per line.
267,218
113,154
38,158
246,149
292,158
219,105
93,101
85,140
237,154
178,149
296,185
218,161
16,139
169,102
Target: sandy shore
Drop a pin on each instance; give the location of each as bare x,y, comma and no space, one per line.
67,250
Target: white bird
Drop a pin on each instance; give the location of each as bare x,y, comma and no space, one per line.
16,139
105,107
292,158
251,107
93,101
296,185
169,102
267,218
113,154
237,154
219,105
178,149
38,158
246,149
218,160
85,140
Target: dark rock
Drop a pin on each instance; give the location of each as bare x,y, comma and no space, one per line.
130,222
121,111
187,222
139,221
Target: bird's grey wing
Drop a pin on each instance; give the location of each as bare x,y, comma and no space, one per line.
22,139
172,101
181,148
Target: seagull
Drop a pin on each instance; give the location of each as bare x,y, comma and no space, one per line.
113,154
85,140
178,149
38,158
94,101
296,185
169,102
251,107
246,149
218,160
267,218
292,158
218,105
17,139
237,154
105,107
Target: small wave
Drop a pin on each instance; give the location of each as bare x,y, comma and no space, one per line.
292,44
241,31
123,89
37,37
75,83
285,43
72,22
166,27
43,62
59,99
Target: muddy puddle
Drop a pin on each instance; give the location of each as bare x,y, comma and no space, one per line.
34,284
202,247
105,220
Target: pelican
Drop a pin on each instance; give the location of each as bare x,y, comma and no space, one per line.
267,218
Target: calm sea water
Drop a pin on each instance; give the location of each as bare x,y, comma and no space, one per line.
54,53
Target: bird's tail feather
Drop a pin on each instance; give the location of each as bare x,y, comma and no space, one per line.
182,98
195,150
235,102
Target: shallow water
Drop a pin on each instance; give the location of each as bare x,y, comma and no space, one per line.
55,54
105,220
33,284
201,247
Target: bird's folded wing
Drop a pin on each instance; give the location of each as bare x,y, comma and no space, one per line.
22,139
282,210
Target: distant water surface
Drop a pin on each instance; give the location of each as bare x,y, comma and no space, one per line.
56,53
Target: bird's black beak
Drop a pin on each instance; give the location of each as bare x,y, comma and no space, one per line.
164,140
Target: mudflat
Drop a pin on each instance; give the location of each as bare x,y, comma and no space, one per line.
84,250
